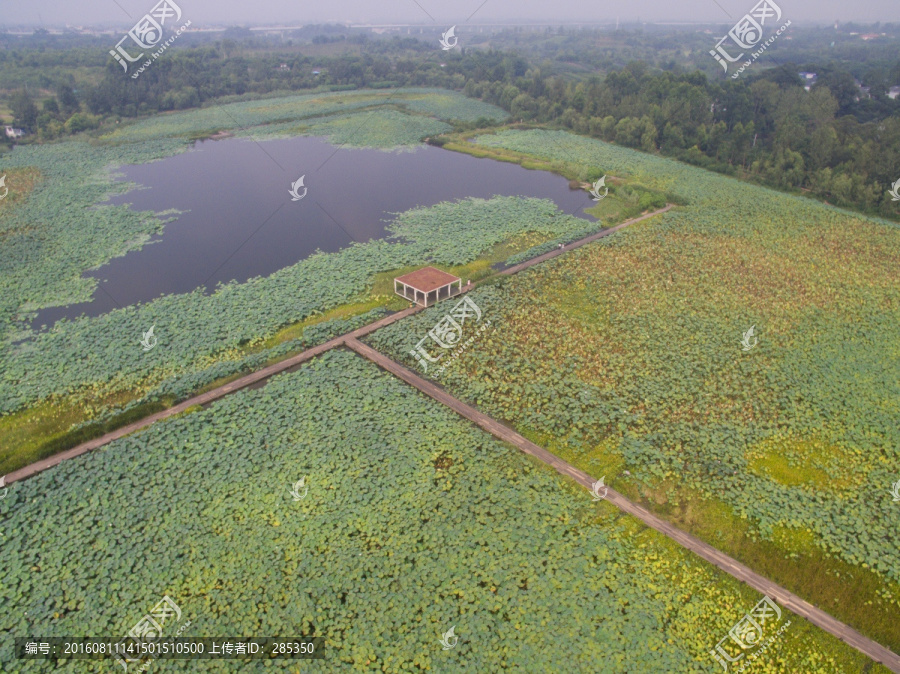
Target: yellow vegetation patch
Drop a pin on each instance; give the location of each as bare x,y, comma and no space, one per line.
295,330
516,244
18,184
793,540
605,458
24,433
807,462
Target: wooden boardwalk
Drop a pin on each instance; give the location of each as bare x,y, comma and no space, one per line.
260,375
731,566
205,398
515,269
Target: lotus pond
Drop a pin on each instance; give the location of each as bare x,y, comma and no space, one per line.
74,234
412,521
237,219
627,355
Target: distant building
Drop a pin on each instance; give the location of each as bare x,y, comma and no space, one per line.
14,133
316,73
809,79
893,92
284,66
863,91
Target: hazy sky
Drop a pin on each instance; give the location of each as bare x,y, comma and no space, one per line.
444,12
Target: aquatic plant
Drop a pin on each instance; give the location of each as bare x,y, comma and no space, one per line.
97,355
413,521
628,351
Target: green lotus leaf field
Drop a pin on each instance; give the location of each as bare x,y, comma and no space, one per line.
413,522
626,355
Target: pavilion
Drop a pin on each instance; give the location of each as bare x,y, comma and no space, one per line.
427,285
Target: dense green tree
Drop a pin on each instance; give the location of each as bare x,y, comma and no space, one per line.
24,110
836,141
67,100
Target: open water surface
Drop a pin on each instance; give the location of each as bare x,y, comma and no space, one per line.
239,220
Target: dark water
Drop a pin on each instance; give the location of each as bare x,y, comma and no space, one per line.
241,221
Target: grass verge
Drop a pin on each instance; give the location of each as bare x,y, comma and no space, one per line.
856,596
47,428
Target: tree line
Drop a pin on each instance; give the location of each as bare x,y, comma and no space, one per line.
836,141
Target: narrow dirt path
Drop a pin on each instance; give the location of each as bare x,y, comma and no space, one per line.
731,566
581,242
276,368
204,398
